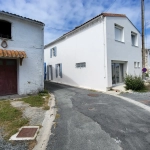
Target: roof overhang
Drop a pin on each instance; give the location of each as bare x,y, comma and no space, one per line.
21,17
89,21
13,54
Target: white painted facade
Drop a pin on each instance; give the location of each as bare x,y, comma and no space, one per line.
94,43
27,35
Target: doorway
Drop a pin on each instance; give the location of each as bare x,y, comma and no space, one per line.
49,72
117,73
8,76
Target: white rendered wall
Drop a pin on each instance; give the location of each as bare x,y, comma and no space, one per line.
85,46
122,51
28,37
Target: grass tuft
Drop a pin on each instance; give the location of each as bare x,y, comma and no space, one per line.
11,119
34,101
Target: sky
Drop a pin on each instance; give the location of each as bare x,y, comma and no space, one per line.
61,16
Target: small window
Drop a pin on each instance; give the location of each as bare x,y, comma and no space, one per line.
80,65
5,29
138,64
58,70
118,33
134,39
53,52
135,64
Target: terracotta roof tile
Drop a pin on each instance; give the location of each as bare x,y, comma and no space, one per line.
113,15
12,53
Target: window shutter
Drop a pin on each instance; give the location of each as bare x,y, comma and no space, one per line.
47,72
56,70
50,53
51,72
44,71
55,50
60,69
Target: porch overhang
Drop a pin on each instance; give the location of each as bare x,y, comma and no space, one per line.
13,54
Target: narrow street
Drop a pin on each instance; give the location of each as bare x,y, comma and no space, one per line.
96,121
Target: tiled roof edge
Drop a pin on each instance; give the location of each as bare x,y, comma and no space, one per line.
18,16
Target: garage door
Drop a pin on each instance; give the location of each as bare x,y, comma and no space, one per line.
8,76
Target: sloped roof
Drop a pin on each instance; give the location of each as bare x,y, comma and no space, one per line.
21,17
102,14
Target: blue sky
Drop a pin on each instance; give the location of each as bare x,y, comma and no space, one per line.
61,16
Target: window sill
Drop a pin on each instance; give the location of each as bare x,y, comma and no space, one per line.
134,46
120,41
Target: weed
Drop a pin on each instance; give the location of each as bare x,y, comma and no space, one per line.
34,101
57,116
11,119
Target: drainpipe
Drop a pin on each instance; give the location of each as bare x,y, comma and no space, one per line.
104,48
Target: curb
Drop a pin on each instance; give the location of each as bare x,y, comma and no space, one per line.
45,131
145,107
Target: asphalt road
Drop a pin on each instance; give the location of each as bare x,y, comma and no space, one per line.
140,97
97,121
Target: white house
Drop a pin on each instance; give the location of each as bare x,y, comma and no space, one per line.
21,54
97,54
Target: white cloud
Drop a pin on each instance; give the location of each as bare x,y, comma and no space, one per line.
67,14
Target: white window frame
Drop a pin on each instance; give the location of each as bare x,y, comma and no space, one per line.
136,39
59,70
122,33
138,64
53,52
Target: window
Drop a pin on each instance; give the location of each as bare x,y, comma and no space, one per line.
5,29
135,64
58,68
118,33
134,39
138,64
53,52
80,65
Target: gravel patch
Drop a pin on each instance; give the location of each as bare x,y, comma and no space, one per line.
17,145
36,116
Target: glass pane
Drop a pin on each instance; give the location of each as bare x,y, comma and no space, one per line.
1,62
113,74
117,34
133,39
117,72
10,62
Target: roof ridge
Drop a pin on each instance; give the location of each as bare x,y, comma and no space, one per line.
16,15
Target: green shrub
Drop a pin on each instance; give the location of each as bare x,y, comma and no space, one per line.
146,75
43,93
134,83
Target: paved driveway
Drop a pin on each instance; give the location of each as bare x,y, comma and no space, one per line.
97,121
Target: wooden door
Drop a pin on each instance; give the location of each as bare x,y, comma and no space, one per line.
8,76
